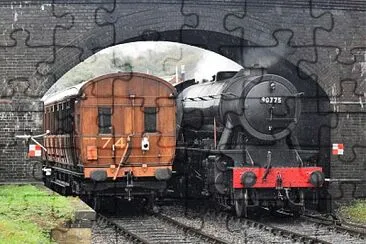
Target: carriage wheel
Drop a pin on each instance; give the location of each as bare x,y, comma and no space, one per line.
95,202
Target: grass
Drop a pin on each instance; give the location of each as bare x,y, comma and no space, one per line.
355,212
29,213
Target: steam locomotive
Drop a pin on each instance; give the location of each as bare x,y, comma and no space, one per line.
238,143
113,135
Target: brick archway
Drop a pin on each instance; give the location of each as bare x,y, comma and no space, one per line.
41,41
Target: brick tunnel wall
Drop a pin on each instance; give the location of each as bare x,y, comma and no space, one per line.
41,40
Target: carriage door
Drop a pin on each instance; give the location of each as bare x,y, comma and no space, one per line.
115,125
114,121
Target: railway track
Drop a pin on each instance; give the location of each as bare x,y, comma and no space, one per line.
314,229
157,228
337,226
288,228
317,231
189,224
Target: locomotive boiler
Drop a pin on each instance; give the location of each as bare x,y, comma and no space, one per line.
113,135
237,143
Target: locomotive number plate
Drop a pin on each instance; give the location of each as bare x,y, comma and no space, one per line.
271,100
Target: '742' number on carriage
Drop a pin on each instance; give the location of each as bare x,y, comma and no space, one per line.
119,143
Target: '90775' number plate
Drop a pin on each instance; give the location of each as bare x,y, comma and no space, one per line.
270,100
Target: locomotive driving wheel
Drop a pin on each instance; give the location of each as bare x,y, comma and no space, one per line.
241,204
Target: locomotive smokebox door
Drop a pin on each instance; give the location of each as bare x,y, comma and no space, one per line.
271,107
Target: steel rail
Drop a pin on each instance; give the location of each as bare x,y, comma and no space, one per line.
136,238
360,232
126,233
337,225
191,230
295,236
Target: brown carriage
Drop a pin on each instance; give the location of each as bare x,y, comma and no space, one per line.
114,134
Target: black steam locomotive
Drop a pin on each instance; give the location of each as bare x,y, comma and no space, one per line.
238,143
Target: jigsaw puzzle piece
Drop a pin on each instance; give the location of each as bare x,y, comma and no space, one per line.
18,52
271,55
21,15
344,42
49,70
325,66
347,131
90,36
253,15
348,166
190,21
347,190
119,19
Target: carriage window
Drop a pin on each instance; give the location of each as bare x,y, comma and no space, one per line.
150,119
105,120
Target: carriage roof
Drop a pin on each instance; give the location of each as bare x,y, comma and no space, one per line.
68,92
74,91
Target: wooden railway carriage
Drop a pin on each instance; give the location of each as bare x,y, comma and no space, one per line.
112,135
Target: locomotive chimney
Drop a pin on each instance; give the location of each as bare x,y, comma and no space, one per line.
255,71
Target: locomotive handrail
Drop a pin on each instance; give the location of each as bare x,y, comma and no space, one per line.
232,150
299,158
281,119
268,165
230,94
250,157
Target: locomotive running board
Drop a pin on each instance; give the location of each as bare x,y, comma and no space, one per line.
217,151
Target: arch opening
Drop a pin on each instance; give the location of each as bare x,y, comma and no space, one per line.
251,56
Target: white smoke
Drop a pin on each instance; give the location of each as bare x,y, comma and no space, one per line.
211,63
159,58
